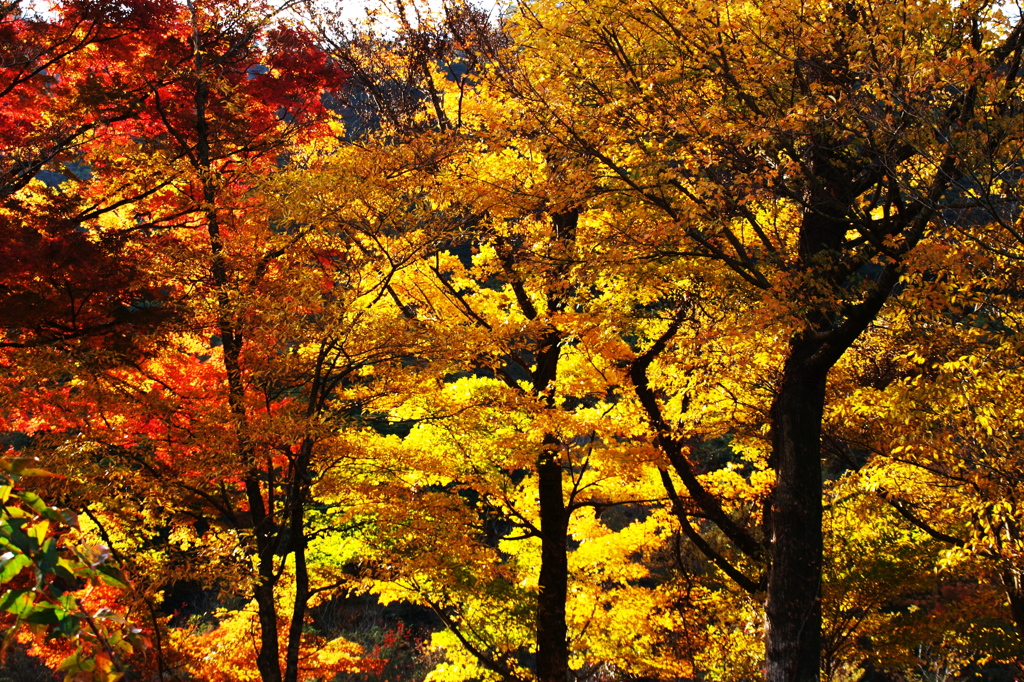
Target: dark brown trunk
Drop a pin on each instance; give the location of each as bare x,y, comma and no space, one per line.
291,671
793,525
793,607
1011,583
793,516
1017,609
552,633
300,487
267,657
553,583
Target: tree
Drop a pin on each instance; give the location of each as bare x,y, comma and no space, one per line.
809,148
506,306
942,427
49,574
229,89
67,77
537,319
50,65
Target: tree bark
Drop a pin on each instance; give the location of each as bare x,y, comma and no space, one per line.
552,632
793,525
553,582
1011,583
793,606
299,492
267,658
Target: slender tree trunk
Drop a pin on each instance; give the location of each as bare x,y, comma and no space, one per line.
793,607
300,486
291,671
553,583
267,661
552,632
267,658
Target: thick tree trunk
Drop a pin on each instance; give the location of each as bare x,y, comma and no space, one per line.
552,633
793,526
1011,583
793,607
553,584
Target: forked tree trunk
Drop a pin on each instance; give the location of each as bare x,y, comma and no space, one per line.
794,532
267,657
552,633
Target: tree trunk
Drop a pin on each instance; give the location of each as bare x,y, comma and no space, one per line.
552,633
553,584
793,607
267,658
300,489
1011,583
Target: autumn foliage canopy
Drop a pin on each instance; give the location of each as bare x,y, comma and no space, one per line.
564,340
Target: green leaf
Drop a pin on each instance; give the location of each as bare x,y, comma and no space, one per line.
76,663
65,568
68,627
11,596
47,559
23,604
39,531
45,615
35,502
11,565
111,575
18,538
